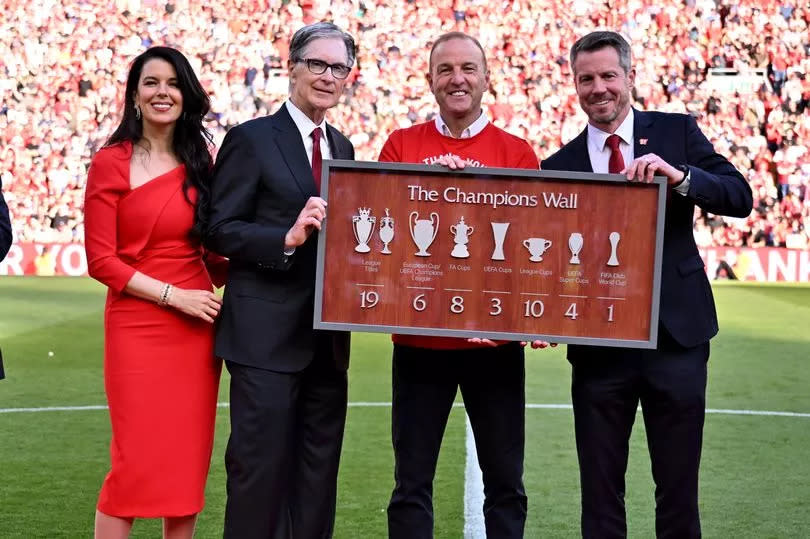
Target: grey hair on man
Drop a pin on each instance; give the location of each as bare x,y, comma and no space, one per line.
599,40
320,30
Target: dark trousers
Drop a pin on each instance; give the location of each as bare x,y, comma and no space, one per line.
424,388
607,386
284,449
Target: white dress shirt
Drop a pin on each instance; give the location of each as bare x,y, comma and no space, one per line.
470,131
305,128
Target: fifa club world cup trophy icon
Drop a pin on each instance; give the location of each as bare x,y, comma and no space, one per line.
614,245
386,232
423,231
363,226
461,236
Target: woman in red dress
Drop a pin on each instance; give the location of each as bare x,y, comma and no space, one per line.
147,190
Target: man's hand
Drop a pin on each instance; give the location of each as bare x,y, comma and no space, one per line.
453,162
308,220
541,344
645,167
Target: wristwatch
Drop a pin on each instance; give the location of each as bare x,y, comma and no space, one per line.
686,173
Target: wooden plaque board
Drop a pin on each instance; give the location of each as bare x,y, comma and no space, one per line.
493,253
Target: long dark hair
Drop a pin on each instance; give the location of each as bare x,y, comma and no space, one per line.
191,139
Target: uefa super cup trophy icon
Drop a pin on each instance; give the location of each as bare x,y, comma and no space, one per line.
363,226
575,243
461,233
423,231
386,232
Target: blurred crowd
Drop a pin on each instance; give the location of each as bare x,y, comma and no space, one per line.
739,66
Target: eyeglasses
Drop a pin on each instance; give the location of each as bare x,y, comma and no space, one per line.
318,67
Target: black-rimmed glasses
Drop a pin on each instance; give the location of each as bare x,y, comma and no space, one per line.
318,67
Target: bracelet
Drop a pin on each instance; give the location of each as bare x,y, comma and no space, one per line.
165,294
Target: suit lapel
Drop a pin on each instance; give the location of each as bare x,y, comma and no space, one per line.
291,147
579,147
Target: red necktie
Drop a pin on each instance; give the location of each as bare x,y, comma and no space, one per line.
616,163
316,158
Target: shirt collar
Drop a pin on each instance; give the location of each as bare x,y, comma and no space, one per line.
625,132
470,131
302,121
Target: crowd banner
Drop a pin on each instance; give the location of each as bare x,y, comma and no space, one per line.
764,264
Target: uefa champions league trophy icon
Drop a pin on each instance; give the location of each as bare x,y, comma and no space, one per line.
575,243
423,231
461,233
363,226
499,234
614,245
386,232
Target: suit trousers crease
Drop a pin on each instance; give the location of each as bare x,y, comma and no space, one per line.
425,383
607,387
284,450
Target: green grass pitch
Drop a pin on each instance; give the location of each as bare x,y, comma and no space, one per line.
754,477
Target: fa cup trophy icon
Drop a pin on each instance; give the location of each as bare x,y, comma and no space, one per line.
423,231
575,242
462,236
386,232
363,226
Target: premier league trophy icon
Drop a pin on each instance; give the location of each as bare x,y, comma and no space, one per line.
386,232
423,231
363,226
575,243
461,233
614,244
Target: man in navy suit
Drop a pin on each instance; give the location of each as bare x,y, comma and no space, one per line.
288,381
670,381
5,245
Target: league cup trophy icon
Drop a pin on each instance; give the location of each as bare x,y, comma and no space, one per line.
386,231
462,234
363,226
499,234
536,247
575,243
423,231
614,244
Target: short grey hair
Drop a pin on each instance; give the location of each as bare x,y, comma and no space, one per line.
320,30
599,40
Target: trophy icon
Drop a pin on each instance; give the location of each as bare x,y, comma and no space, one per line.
614,244
363,226
499,234
423,231
386,232
536,247
462,236
575,243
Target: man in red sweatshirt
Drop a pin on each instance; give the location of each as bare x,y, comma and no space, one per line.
428,371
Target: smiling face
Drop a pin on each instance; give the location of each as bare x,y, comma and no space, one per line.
458,78
315,94
158,94
603,87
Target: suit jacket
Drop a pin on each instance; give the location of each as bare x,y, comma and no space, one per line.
687,306
5,226
262,180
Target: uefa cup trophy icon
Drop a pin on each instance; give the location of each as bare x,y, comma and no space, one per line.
575,243
386,232
536,247
499,235
363,226
423,231
461,233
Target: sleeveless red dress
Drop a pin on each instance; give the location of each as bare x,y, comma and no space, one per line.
160,373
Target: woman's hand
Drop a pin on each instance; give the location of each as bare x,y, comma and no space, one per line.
197,303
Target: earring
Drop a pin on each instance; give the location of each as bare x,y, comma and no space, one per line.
137,112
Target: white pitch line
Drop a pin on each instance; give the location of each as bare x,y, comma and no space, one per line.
474,527
717,411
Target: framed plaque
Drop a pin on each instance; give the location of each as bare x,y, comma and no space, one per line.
493,253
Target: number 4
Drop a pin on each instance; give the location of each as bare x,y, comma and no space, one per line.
572,311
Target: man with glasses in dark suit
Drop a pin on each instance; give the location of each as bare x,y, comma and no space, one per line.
288,381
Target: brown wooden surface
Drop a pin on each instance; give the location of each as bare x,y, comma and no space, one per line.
399,278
